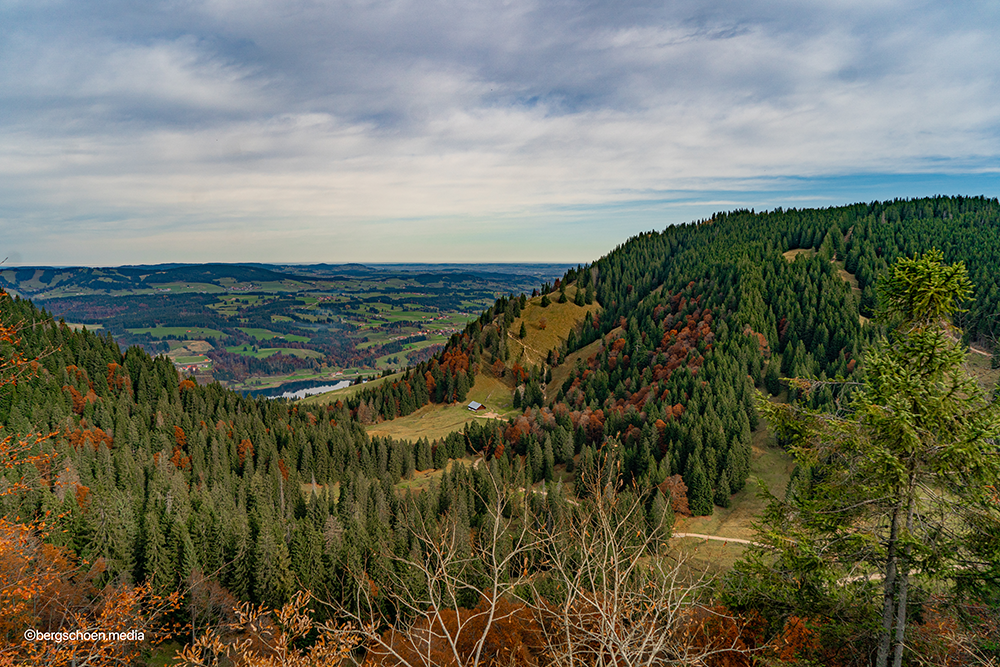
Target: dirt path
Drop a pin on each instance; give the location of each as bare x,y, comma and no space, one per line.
734,540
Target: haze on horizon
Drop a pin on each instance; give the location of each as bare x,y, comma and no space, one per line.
401,131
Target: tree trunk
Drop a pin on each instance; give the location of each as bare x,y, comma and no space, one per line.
904,581
889,586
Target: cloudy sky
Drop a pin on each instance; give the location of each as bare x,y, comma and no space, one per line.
470,130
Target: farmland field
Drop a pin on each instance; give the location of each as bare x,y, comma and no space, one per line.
194,333
260,325
264,352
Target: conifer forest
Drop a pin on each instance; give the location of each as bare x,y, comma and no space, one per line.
232,530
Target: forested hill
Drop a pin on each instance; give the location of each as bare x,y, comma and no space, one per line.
690,319
658,378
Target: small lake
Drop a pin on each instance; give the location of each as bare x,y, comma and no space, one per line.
297,390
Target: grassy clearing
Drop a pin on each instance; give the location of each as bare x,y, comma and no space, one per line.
546,328
265,352
561,372
436,421
267,334
432,421
792,254
422,479
190,360
770,466
846,276
491,392
89,327
979,365
182,333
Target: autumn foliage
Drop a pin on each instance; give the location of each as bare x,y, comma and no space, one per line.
46,588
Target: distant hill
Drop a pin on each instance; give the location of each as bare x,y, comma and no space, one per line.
46,282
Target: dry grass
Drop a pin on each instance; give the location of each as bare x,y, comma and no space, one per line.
847,278
561,372
771,466
558,318
491,392
792,254
435,421
978,364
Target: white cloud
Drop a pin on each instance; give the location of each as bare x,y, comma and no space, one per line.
389,126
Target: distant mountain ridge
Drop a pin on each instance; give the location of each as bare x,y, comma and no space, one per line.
46,282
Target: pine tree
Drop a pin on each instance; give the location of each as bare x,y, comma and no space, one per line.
272,577
722,494
699,490
901,484
154,557
548,460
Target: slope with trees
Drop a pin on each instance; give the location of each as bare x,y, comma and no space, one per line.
150,479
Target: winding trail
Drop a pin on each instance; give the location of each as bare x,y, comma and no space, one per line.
734,540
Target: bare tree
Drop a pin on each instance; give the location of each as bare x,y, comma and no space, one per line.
625,599
422,615
582,583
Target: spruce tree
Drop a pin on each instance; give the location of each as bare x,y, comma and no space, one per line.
699,490
722,493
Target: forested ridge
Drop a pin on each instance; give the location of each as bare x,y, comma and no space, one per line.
152,478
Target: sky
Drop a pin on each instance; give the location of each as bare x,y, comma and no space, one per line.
475,130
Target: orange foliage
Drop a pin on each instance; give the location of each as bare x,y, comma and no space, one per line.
730,639
513,637
244,449
180,461
520,375
94,437
595,425
43,587
677,489
187,385
82,496
118,379
455,360
180,437
78,401
515,431
797,640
